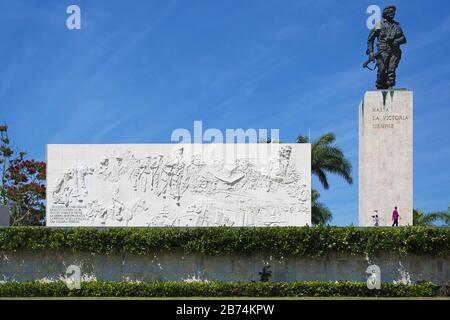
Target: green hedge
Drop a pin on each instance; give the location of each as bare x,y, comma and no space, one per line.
216,289
281,241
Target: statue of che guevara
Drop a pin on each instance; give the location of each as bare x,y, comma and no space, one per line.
390,36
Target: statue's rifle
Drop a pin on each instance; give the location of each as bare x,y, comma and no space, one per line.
372,58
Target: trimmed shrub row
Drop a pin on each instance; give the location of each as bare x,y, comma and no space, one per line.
216,289
281,241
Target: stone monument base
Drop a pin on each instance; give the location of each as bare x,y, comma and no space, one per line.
386,157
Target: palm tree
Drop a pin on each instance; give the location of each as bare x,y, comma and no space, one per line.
326,158
320,214
429,219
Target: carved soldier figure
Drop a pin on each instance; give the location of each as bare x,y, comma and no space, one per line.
281,169
118,169
191,174
62,190
118,207
390,36
153,169
81,173
104,170
171,175
136,175
95,209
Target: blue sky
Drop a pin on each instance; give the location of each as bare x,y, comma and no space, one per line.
137,70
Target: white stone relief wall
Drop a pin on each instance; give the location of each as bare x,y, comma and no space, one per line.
179,185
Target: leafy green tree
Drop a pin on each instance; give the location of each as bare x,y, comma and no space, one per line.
326,158
22,186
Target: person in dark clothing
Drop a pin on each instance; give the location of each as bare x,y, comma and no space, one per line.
395,217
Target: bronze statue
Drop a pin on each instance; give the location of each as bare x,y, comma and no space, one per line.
390,37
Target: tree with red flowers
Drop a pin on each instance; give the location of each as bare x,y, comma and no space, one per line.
22,186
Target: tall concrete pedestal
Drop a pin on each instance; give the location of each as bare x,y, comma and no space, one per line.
386,157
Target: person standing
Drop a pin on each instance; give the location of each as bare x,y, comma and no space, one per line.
395,217
375,219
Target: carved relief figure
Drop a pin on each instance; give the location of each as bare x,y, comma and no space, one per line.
96,210
162,218
139,206
194,215
153,170
171,175
118,207
80,185
192,175
118,169
137,175
72,186
281,170
63,190
104,171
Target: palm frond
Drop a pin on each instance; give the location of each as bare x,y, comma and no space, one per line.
302,139
320,214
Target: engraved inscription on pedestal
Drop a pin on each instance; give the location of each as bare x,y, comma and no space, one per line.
386,157
179,185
